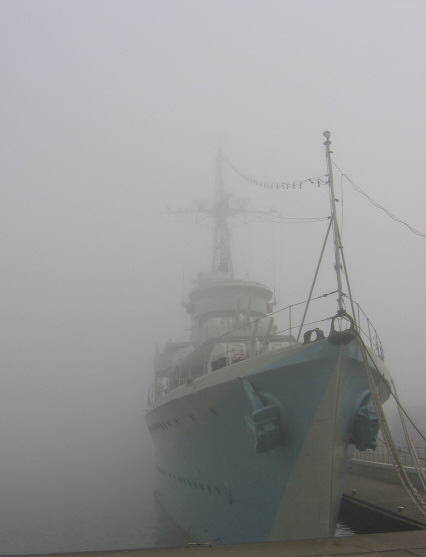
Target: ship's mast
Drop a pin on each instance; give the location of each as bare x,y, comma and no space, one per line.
336,233
222,257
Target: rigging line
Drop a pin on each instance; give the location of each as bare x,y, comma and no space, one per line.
191,220
396,461
377,205
272,213
314,281
294,222
400,405
323,179
198,223
290,220
266,217
347,277
242,223
182,212
408,417
410,445
283,220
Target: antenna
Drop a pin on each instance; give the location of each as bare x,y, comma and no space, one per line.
336,234
338,248
222,258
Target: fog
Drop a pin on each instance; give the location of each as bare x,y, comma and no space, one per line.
113,111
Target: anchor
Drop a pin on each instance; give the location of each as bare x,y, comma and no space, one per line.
366,427
265,420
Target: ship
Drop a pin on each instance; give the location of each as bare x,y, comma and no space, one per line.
253,427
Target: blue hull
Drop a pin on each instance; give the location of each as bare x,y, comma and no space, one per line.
215,485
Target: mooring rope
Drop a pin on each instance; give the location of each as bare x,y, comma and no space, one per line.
410,445
390,444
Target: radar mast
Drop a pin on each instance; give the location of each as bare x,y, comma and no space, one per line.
221,211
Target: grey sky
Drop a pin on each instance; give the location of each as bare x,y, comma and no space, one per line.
112,111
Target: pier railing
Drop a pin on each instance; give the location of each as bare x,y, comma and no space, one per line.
381,455
377,465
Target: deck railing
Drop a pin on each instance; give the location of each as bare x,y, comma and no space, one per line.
292,316
288,321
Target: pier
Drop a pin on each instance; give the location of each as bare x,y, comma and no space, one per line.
371,505
371,496
372,488
397,544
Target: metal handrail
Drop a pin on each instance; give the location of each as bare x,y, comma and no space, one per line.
381,455
365,328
